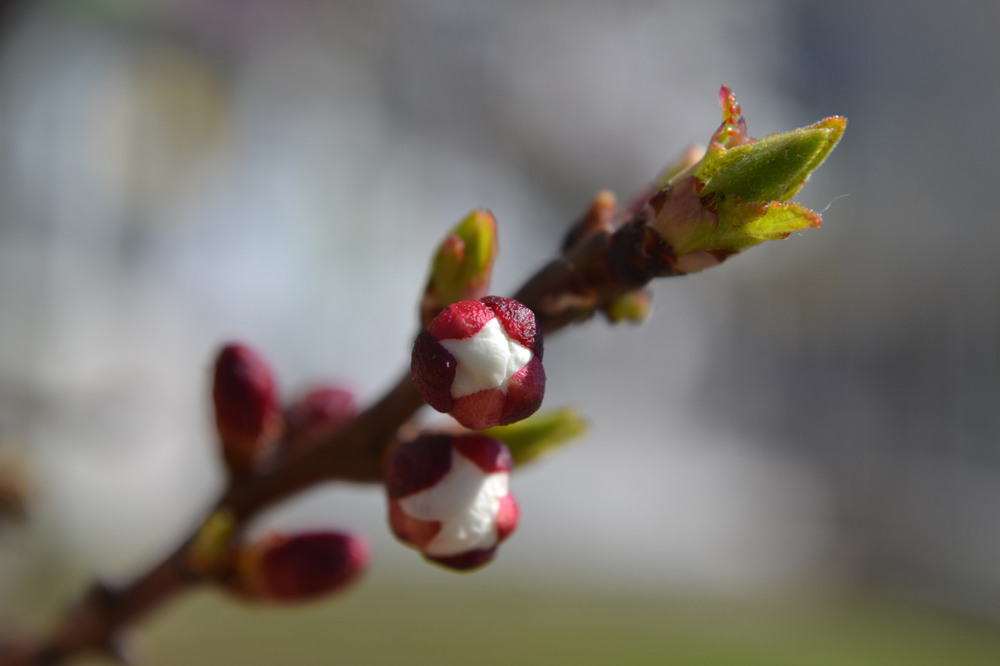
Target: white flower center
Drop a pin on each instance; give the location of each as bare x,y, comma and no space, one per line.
466,502
486,360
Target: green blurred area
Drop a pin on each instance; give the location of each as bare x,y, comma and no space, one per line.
377,624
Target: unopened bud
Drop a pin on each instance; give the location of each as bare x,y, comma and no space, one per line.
598,218
460,270
481,362
300,567
321,411
632,306
449,498
247,414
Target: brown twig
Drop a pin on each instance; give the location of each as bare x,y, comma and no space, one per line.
598,264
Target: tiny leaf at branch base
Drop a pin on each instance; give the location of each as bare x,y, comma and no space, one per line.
539,434
211,546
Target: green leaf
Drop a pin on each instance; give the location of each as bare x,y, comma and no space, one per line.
771,169
537,434
738,194
704,235
745,225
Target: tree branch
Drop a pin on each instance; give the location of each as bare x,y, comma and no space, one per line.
569,289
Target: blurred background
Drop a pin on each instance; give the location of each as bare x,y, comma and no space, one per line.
795,460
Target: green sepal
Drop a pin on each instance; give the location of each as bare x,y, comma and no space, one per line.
539,433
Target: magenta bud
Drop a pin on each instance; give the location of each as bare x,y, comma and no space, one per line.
449,498
247,414
301,567
481,362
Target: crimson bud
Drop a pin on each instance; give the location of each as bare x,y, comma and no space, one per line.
321,411
300,567
449,498
481,362
247,414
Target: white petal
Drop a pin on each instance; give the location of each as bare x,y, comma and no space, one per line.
485,360
466,502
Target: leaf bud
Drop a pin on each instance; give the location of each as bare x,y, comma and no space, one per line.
461,268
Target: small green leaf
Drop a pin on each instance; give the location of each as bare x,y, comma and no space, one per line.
771,169
729,225
737,195
537,434
745,225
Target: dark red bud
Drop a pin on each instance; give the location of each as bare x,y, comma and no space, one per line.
247,414
304,566
320,412
467,561
418,465
448,498
481,362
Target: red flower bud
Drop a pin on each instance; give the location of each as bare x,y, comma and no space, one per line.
247,414
481,362
322,410
448,498
300,567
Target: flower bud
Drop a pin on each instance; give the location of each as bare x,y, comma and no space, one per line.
448,498
299,567
322,410
481,362
247,414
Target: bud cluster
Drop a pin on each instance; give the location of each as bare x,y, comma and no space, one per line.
249,418
251,424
